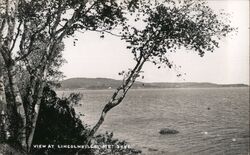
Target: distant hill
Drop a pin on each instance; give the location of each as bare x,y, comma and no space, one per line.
92,83
106,83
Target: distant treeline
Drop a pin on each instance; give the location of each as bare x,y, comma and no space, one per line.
106,83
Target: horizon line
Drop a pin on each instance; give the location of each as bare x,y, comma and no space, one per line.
159,81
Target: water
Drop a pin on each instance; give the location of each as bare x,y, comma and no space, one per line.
209,121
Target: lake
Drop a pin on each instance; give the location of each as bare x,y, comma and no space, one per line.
210,121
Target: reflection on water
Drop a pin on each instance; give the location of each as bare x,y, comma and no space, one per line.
209,121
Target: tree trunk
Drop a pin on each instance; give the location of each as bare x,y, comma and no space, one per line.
118,96
17,99
4,133
29,101
42,82
35,117
38,99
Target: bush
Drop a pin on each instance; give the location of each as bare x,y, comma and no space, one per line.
58,124
113,146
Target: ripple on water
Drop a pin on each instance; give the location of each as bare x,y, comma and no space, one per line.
223,129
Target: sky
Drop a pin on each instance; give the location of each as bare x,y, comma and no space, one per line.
95,57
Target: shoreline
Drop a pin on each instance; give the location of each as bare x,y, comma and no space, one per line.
242,87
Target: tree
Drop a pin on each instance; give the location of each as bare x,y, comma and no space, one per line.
3,105
34,29
169,25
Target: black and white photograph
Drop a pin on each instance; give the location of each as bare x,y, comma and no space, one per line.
124,77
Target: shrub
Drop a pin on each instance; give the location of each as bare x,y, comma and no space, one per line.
58,124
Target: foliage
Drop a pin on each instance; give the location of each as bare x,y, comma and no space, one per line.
31,35
58,124
112,146
164,27
171,25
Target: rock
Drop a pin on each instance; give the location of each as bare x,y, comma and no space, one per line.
165,131
136,151
152,149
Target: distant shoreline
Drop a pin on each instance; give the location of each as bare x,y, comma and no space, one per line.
82,89
110,84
